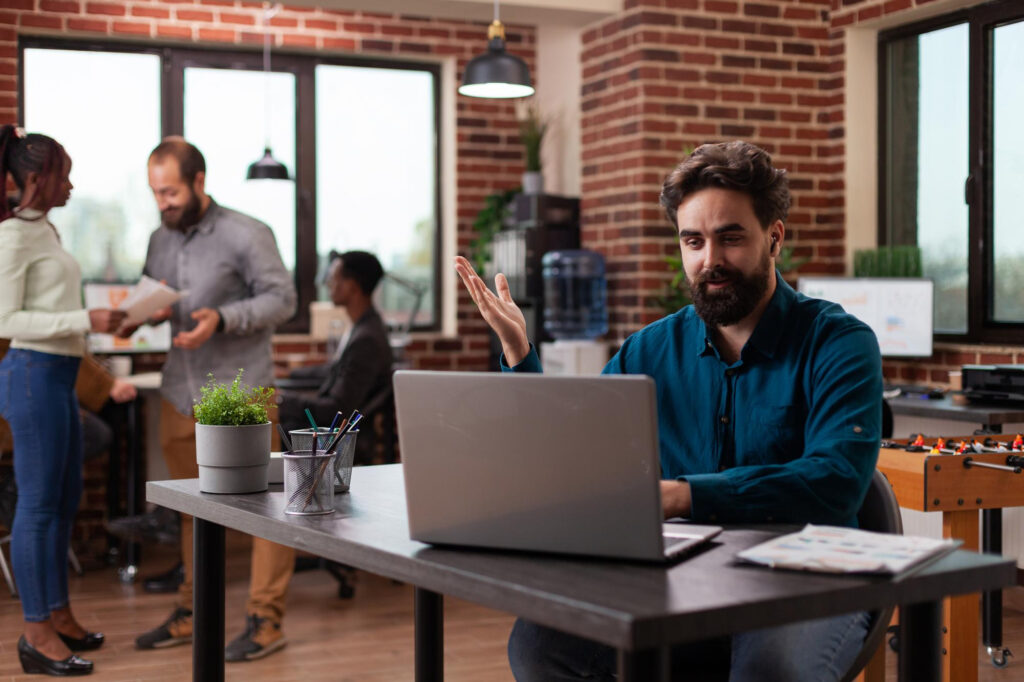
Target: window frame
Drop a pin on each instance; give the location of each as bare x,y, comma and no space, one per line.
173,61
981,20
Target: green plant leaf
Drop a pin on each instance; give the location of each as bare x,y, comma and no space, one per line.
232,404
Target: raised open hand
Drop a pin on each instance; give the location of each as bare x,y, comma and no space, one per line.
498,310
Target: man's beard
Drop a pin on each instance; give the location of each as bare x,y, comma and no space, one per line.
730,305
189,214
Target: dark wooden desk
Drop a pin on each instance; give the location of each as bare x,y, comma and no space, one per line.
990,417
638,609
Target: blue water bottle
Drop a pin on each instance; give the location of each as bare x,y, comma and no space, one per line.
575,294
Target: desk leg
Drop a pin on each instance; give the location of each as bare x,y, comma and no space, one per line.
992,602
920,642
208,602
962,614
649,665
429,619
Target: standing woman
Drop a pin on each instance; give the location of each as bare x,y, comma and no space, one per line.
41,312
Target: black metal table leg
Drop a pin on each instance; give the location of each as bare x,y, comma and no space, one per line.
992,602
921,642
429,624
134,483
647,665
208,602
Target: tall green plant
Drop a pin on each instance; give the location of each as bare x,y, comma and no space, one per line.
489,221
232,404
888,261
531,132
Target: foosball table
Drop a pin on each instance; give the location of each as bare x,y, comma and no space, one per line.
960,477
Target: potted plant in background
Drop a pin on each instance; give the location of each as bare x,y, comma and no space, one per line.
233,437
531,132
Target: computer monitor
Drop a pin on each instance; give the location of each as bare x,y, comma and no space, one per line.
898,309
146,339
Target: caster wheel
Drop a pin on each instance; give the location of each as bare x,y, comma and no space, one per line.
346,591
894,643
1001,658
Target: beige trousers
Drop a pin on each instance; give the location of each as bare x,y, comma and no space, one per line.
272,564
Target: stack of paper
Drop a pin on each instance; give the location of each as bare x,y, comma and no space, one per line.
831,549
146,298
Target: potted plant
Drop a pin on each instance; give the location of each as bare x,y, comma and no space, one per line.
531,132
233,437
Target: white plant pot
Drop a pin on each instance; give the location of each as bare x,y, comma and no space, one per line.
533,183
233,459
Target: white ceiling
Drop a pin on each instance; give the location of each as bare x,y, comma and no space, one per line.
537,12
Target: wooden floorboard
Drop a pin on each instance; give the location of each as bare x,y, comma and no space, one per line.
364,639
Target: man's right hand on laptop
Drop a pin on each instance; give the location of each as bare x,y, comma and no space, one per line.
675,499
498,310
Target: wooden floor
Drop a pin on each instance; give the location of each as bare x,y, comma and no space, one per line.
364,639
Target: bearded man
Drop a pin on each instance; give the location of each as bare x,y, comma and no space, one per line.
238,292
769,410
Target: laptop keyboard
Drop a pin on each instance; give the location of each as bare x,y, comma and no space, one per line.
677,542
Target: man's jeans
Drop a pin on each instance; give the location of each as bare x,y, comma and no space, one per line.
815,651
37,398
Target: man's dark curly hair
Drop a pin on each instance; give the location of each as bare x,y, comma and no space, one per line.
735,165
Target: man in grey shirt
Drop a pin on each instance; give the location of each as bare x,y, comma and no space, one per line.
238,292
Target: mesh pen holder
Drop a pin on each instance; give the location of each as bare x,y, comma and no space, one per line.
345,453
308,482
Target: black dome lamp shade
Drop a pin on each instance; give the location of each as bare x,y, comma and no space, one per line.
496,74
267,168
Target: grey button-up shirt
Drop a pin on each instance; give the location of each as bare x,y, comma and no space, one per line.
229,262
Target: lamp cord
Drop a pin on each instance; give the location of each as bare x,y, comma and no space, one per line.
496,18
268,12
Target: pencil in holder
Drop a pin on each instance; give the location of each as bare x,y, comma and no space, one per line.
308,482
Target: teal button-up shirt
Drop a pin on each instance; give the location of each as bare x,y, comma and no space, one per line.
788,433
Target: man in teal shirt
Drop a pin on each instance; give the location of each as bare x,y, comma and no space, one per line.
769,407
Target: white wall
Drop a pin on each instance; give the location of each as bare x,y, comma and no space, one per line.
559,80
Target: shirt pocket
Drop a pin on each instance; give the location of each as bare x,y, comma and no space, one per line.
775,434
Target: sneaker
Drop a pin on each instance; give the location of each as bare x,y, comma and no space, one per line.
176,630
262,637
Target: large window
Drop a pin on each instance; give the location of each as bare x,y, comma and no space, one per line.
952,151
360,139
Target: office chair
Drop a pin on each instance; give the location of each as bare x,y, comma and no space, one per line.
880,513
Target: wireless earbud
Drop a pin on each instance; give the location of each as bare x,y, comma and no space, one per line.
775,242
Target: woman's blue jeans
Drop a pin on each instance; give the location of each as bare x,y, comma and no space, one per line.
37,398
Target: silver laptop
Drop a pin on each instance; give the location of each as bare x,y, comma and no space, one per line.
535,462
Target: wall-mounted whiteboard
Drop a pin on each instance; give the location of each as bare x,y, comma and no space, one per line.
898,310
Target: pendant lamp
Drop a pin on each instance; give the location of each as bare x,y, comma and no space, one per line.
496,74
267,168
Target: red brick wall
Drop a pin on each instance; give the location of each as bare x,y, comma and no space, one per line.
488,155
668,75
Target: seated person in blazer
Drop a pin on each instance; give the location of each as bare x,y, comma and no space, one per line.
360,369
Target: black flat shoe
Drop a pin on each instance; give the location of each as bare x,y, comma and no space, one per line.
91,641
33,662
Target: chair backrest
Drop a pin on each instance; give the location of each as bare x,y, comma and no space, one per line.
880,513
382,403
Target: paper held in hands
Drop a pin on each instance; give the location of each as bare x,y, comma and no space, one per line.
146,298
832,549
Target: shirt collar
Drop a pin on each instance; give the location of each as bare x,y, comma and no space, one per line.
206,223
769,328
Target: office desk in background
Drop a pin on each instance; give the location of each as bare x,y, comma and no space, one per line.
638,609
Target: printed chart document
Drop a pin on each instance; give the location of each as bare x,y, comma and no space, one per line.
147,297
832,549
